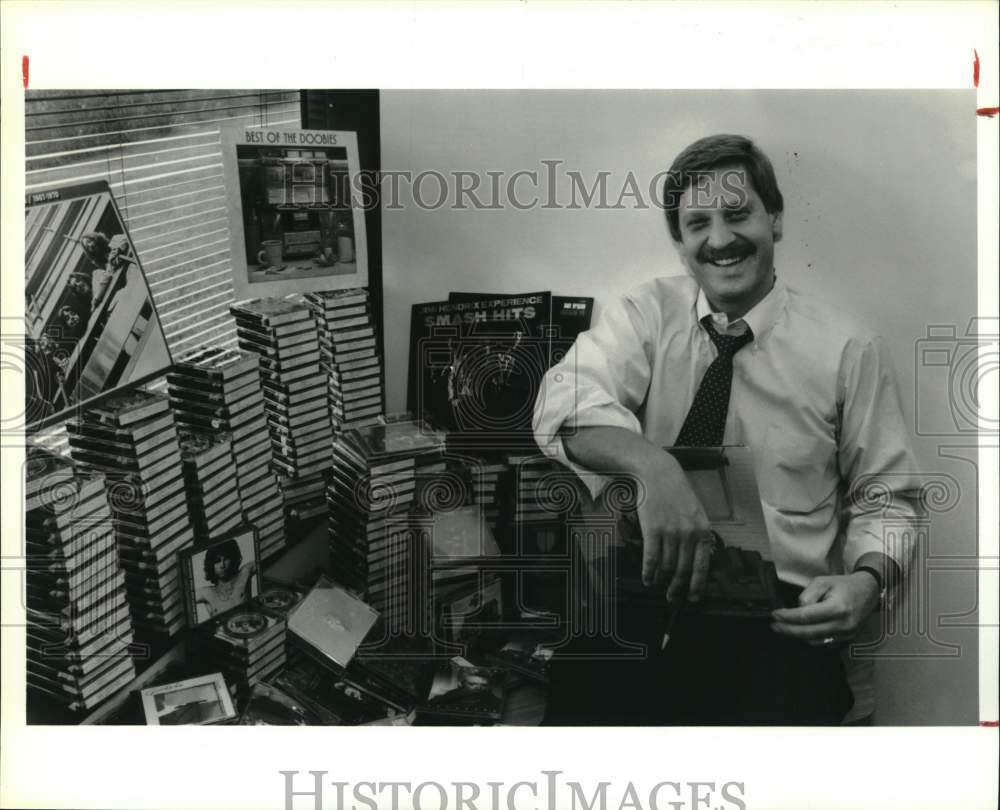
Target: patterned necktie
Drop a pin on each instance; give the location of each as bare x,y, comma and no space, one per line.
706,421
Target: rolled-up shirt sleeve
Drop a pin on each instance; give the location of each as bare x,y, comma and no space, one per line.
601,382
876,459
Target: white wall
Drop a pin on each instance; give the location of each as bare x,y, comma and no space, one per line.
879,219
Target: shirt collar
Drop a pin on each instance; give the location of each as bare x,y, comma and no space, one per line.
760,319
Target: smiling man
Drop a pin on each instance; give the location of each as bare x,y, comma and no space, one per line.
731,355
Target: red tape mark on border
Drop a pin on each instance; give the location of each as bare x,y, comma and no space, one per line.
988,112
990,723
24,70
975,69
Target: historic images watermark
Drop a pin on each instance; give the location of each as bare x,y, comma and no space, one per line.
549,186
963,365
546,791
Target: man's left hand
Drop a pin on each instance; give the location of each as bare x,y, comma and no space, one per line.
831,609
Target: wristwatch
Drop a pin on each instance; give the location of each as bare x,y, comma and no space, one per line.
879,582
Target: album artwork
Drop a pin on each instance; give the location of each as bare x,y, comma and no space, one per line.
476,367
569,315
221,575
296,219
90,323
465,694
195,701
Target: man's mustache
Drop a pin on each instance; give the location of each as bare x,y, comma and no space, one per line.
734,250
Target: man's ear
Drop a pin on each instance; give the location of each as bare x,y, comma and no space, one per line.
776,227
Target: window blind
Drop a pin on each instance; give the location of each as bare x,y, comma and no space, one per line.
160,152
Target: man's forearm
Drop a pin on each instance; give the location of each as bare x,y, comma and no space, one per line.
615,450
675,531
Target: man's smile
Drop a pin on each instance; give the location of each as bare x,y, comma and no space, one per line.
728,257
728,262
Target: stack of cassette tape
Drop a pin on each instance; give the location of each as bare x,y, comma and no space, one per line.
349,357
219,390
537,489
213,492
369,498
486,476
304,496
282,332
246,645
79,627
132,439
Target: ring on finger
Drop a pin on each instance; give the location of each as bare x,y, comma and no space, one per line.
828,641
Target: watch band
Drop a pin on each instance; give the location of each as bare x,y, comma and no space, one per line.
879,581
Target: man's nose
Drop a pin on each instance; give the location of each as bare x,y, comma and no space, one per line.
719,233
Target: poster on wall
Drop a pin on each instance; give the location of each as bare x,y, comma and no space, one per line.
296,221
90,323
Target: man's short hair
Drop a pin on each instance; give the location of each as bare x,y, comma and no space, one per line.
716,152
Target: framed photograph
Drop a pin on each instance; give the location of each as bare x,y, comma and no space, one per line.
196,701
90,323
296,217
221,575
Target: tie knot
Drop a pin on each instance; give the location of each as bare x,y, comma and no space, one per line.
729,344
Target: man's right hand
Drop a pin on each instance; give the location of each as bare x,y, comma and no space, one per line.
676,536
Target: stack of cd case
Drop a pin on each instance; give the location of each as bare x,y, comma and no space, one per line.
349,356
283,334
369,498
219,390
246,645
79,627
132,440
213,491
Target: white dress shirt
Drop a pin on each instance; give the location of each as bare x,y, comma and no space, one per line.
813,396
